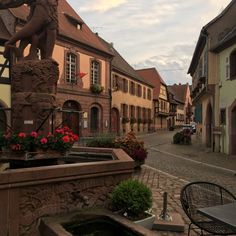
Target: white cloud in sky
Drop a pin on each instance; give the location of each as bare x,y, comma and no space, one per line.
154,33
101,5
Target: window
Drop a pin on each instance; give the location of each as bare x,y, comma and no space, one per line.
124,110
4,68
132,88
205,64
95,72
132,111
222,116
115,81
144,92
227,68
71,68
144,114
149,95
233,65
124,85
138,112
94,119
139,91
156,105
200,68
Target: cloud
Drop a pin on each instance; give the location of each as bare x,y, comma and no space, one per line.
157,33
101,5
172,66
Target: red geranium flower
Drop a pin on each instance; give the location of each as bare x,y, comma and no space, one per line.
43,140
34,134
66,139
21,135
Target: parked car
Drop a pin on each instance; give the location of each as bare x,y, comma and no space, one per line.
189,127
194,125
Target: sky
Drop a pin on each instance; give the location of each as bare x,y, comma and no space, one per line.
154,33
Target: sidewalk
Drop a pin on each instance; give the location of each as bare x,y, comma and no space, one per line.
159,183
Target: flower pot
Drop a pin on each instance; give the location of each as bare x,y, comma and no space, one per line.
146,222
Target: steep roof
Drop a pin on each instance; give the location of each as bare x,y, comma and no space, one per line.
221,14
172,100
122,66
179,91
227,41
152,76
202,38
4,33
68,20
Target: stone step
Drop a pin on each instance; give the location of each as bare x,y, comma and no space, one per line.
175,225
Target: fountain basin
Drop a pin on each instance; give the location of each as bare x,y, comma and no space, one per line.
91,222
27,194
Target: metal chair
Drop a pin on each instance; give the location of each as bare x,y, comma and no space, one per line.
197,195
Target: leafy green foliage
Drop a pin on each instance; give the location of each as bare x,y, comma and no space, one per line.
132,197
105,141
183,137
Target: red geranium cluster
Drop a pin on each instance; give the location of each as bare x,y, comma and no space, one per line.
62,140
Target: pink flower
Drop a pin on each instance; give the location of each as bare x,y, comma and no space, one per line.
59,131
34,134
66,139
21,135
49,135
75,137
43,140
66,129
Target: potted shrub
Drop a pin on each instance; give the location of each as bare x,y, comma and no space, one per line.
133,199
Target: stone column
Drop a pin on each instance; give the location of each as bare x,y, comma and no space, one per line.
34,85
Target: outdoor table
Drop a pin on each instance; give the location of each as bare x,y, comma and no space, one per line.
226,214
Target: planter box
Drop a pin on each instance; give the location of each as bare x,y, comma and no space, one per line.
146,222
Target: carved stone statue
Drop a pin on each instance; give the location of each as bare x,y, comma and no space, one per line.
40,30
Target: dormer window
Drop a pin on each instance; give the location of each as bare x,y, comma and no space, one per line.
79,26
78,23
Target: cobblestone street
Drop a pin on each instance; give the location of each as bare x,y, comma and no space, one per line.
169,167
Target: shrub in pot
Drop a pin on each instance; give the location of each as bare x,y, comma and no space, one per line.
133,199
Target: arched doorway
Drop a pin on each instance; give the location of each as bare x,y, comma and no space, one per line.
71,118
233,132
209,126
115,121
3,120
94,119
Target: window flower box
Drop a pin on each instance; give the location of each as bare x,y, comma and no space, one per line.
96,88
